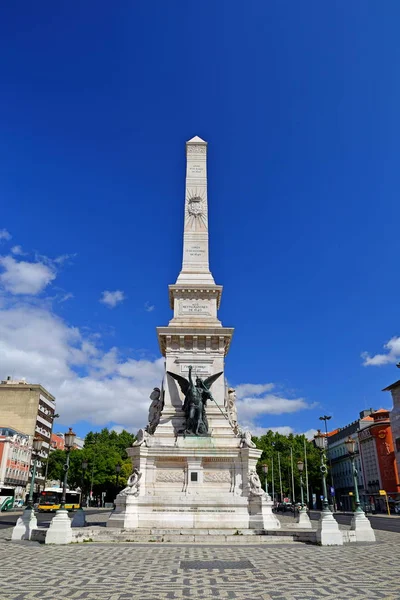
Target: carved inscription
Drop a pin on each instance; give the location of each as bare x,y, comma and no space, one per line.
194,307
197,369
196,170
196,251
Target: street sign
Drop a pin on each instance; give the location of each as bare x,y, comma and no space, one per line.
332,491
382,492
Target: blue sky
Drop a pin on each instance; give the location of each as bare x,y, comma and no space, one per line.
299,104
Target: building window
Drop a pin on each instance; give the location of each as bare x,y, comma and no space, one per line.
398,444
193,477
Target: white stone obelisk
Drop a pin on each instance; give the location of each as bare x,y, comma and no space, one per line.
195,263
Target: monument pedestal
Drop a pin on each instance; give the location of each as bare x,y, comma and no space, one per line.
328,532
362,527
24,526
200,483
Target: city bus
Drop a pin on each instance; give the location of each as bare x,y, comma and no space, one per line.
50,500
6,498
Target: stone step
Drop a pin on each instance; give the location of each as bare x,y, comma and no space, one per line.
187,536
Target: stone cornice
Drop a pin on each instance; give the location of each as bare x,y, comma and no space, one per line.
193,288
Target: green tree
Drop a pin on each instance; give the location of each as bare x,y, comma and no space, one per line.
273,444
103,451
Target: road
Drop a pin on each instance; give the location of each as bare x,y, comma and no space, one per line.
8,519
378,522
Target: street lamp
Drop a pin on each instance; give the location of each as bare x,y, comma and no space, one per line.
69,439
265,471
300,466
36,448
320,443
118,471
350,444
84,467
328,418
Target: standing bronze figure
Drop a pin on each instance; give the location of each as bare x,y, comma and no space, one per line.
196,396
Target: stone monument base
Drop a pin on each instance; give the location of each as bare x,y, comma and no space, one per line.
180,513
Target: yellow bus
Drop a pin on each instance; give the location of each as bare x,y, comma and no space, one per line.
50,500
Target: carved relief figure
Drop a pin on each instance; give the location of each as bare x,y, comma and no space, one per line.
156,406
133,484
246,441
232,410
255,484
196,396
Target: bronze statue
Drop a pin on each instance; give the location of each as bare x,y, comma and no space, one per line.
196,396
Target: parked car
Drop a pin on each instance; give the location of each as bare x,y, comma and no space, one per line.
285,507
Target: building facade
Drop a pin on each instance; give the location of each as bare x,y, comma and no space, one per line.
378,460
30,409
15,460
395,419
341,466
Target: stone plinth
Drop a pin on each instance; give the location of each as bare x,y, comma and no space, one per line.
60,531
260,512
24,526
303,520
328,532
362,527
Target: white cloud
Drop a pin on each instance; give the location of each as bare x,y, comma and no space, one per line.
60,260
66,297
21,277
255,401
111,299
250,389
89,383
392,354
149,307
17,250
5,235
283,430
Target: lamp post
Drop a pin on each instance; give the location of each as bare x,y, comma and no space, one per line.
303,518
69,439
36,448
320,443
350,444
326,418
359,523
84,467
300,466
265,471
118,471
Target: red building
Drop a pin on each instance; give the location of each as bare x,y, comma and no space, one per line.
378,459
57,442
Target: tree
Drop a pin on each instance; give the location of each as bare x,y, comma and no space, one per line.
274,443
103,451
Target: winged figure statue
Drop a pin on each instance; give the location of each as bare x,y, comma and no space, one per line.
196,396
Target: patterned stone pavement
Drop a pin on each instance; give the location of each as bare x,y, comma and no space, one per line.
127,571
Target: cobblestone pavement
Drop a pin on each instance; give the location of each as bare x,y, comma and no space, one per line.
29,571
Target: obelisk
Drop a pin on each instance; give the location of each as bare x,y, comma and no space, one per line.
195,336
187,477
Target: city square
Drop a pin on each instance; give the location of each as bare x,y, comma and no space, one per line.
271,571
198,321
